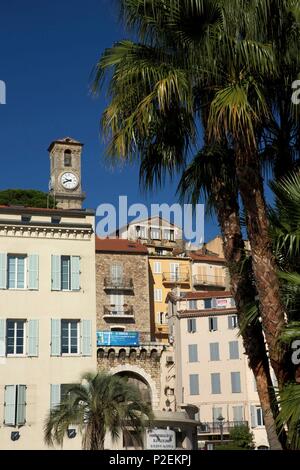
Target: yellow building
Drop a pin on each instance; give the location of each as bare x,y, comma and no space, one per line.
167,272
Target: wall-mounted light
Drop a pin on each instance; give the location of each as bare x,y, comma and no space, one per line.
71,433
15,435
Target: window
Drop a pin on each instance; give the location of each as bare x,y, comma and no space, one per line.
58,392
213,323
155,233
193,353
69,337
168,235
65,273
16,271
191,325
15,405
19,337
68,158
194,384
116,272
257,417
175,271
234,350
207,303
25,219
216,412
162,318
117,303
214,351
238,413
235,382
15,337
140,231
215,384
157,267
232,322
192,304
117,328
158,295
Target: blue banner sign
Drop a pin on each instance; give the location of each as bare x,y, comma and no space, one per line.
118,338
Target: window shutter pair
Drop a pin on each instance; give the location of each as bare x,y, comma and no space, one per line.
213,323
56,273
238,413
33,338
193,352
33,271
234,350
215,383
86,337
214,351
15,405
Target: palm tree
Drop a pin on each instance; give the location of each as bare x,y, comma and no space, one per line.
101,404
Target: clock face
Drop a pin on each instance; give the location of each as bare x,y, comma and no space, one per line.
69,180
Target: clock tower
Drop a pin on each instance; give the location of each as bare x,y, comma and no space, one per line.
65,173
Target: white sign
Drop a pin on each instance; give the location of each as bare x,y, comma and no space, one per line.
222,303
163,439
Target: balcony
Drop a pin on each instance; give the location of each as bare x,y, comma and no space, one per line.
161,329
214,428
118,312
118,283
208,280
180,278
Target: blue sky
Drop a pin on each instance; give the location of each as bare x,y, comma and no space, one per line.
47,52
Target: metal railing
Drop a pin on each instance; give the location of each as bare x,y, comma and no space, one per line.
215,428
121,282
209,280
176,278
118,311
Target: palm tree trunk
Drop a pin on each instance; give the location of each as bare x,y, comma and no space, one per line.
244,292
263,262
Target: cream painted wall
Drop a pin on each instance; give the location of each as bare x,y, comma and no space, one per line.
39,372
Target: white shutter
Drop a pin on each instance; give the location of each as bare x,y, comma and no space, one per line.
253,416
2,337
33,272
54,395
33,338
55,337
21,405
86,337
10,405
75,273
55,272
3,270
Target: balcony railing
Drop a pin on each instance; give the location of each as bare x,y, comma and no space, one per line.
215,428
121,283
176,278
208,280
162,328
118,311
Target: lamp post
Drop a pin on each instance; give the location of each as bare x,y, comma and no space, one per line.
220,419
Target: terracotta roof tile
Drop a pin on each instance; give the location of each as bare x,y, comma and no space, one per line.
119,245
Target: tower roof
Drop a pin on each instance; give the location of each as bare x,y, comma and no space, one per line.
65,141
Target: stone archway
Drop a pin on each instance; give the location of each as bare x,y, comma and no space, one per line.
140,374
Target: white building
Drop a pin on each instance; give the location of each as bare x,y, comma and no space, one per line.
211,367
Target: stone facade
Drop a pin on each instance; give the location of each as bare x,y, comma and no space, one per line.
135,294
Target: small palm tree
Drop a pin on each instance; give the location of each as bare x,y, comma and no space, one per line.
101,404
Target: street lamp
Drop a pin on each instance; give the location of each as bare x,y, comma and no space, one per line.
220,419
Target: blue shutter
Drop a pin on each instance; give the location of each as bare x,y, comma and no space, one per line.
75,273
54,395
193,353
55,338
233,350
86,337
235,382
33,272
214,351
215,383
21,405
55,272
10,405
2,337
33,338
194,384
3,270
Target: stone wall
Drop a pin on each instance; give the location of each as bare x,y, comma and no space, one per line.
135,266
